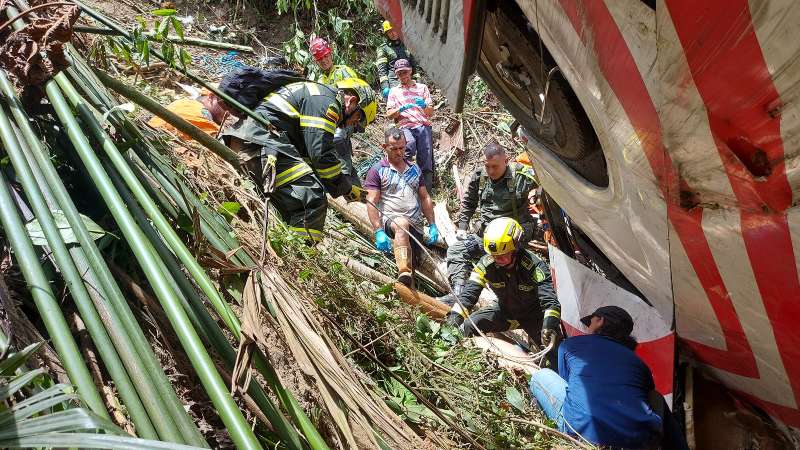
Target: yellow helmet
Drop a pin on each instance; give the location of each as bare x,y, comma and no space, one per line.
502,236
386,26
366,98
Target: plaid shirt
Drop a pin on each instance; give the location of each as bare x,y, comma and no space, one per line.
414,116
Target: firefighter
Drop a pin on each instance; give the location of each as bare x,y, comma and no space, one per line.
323,55
499,189
389,52
299,145
332,74
524,289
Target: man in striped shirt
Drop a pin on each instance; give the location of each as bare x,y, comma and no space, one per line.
411,107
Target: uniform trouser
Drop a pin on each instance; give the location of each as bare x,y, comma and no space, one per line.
493,320
464,254
344,150
298,195
419,145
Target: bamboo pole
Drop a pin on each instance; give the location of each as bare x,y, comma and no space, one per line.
171,118
72,277
239,430
171,38
154,388
46,303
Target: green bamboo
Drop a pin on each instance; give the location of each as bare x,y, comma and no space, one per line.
46,302
74,281
238,428
171,38
202,320
154,387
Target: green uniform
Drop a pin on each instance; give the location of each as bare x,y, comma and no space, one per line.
338,72
388,53
305,116
506,197
525,297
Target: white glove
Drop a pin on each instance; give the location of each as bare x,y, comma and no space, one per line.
461,235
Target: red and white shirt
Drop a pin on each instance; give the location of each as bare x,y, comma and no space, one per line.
414,116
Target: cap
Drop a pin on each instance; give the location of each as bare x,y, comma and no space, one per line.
402,64
613,313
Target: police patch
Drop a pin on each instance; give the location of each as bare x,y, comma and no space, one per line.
332,115
539,275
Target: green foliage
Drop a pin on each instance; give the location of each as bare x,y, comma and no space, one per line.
476,92
144,34
353,41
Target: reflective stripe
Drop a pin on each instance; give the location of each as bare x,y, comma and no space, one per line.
513,324
282,104
552,313
459,310
314,235
292,173
330,172
382,60
317,122
477,277
384,78
313,89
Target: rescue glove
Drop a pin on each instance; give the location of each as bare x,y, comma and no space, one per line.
551,331
419,101
454,319
433,234
357,194
382,241
385,93
461,235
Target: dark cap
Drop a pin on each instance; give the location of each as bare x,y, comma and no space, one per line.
619,316
402,64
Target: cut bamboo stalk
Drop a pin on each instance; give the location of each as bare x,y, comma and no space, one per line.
46,303
153,386
238,427
171,38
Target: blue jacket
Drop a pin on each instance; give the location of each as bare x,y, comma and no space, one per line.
607,392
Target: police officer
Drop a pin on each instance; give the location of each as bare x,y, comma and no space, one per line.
499,189
522,283
299,146
388,53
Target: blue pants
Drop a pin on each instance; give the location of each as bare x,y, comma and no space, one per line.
419,145
549,390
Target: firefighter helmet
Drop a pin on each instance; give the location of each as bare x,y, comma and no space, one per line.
502,236
386,26
366,98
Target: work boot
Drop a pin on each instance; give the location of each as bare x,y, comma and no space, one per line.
402,257
450,299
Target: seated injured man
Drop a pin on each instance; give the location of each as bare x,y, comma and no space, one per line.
397,202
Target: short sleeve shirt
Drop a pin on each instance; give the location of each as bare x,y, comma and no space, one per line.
414,116
399,191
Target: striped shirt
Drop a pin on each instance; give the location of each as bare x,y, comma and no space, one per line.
399,191
414,116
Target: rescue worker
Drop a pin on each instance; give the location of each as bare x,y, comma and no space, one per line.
300,148
522,283
332,74
388,53
499,189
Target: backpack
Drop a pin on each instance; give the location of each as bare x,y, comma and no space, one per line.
249,85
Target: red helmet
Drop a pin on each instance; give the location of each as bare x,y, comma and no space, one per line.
319,48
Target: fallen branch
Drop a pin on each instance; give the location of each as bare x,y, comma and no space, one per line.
171,38
554,432
168,116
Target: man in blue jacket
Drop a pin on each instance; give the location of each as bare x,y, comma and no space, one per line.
603,391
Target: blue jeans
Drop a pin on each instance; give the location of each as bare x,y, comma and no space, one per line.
419,145
549,390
